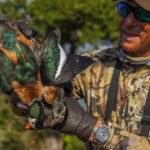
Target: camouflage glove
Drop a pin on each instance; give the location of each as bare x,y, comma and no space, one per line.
64,115
47,113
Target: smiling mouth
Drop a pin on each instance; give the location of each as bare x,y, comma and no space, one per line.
130,33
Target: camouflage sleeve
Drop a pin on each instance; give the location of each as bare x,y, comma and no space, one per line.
79,80
93,54
124,140
77,92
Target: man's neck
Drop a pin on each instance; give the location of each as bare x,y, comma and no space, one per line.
139,54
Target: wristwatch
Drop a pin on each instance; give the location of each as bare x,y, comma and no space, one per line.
101,134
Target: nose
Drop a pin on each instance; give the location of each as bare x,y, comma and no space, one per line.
130,20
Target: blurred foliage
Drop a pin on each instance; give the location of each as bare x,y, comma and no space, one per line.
72,143
80,20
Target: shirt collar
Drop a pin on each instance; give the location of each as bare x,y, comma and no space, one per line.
133,60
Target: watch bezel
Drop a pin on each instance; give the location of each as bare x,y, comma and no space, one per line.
101,134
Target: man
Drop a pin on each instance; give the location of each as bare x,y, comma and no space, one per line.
115,88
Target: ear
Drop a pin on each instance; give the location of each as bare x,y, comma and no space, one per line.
54,37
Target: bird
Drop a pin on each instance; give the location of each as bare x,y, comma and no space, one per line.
57,67
31,68
19,68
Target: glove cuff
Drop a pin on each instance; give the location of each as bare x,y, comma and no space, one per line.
77,121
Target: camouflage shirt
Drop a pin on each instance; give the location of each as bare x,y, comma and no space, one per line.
134,83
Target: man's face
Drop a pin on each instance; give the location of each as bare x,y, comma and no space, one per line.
135,35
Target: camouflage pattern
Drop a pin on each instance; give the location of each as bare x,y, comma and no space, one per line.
134,83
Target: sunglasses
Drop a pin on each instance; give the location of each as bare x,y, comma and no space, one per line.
140,14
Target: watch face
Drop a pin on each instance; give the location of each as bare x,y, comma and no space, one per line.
101,134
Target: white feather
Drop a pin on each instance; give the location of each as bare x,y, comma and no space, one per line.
62,61
32,122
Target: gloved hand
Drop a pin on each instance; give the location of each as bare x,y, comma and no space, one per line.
64,115
41,101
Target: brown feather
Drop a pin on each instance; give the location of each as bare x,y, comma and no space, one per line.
23,56
10,54
28,92
24,40
50,94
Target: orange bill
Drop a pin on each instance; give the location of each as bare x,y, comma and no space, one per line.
28,126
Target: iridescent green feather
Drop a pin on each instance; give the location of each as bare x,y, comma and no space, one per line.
50,59
25,71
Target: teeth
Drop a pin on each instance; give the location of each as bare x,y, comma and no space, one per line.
130,33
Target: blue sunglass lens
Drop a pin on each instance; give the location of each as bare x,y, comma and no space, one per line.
139,13
123,9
